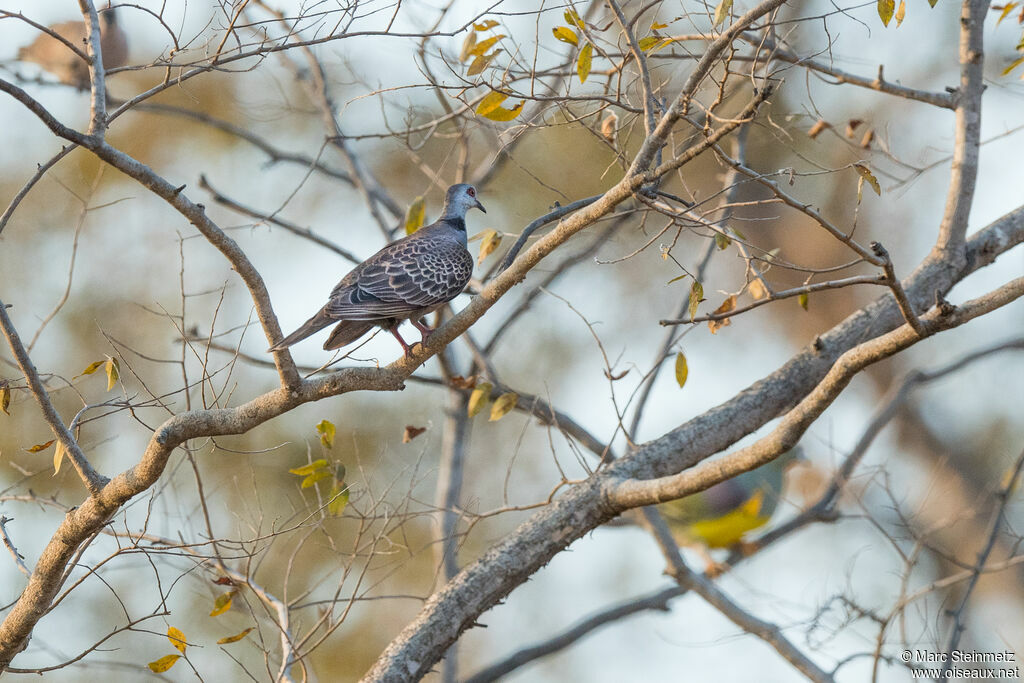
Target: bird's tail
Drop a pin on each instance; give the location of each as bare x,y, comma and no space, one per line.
311,326
347,332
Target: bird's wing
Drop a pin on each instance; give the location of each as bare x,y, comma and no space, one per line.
406,276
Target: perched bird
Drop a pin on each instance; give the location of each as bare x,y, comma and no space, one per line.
722,515
55,57
405,280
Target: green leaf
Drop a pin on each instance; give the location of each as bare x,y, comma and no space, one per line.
309,469
312,479
415,216
802,300
479,398
885,10
164,663
722,240
338,499
867,175
177,639
696,296
566,35
583,62
222,604
682,370
503,405
237,637
113,368
722,11
326,430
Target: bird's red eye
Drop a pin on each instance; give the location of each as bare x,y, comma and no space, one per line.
471,192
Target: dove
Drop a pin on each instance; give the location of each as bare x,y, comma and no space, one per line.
405,280
55,57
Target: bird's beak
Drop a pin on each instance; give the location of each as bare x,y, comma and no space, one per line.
480,206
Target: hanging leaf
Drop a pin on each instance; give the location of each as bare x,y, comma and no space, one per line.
91,368
222,604
480,63
491,240
309,469
696,296
490,102
802,300
757,289
483,46
164,663
40,446
502,114
573,18
867,175
467,46
682,370
727,305
339,499
479,398
885,10
5,398
722,11
58,457
415,216
237,637
312,479
325,429
113,368
722,241
177,639
485,25
566,35
503,405
583,62
901,12
410,432
818,128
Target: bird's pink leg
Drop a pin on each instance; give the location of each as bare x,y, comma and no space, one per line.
405,347
425,331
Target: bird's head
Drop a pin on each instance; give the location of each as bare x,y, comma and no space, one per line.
459,199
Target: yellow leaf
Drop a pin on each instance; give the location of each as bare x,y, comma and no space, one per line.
573,18
647,43
696,296
221,605
901,12
467,46
583,62
113,368
177,639
655,26
491,240
480,63
682,370
92,367
1007,8
867,175
503,405
502,114
485,25
326,430
58,457
237,637
722,11
484,45
885,10
338,500
309,469
566,35
164,663
756,289
802,300
5,398
727,305
40,446
490,102
479,398
1013,65
319,475
415,215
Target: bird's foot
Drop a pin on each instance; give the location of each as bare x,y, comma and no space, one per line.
405,347
425,331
